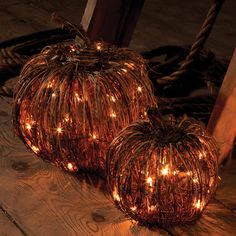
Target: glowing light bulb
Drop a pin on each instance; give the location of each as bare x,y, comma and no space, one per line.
78,98
35,149
99,46
176,172
113,114
139,89
151,208
59,130
165,170
130,65
70,166
113,99
28,126
124,70
188,173
197,204
115,195
94,136
49,85
72,49
134,208
149,181
200,156
53,95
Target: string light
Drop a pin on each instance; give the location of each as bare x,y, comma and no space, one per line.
113,99
149,181
188,173
94,136
139,89
59,130
72,49
113,114
175,172
116,196
67,118
151,208
78,98
28,126
82,110
153,164
99,46
70,166
49,85
134,208
35,149
197,204
130,65
165,170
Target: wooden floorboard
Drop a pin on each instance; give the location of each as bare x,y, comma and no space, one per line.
7,227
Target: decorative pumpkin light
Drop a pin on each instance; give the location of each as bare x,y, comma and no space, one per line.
162,170
73,98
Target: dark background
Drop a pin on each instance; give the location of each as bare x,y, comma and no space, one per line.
162,22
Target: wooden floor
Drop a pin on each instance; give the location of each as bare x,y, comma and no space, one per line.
40,200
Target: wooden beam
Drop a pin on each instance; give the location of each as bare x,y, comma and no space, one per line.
222,123
112,20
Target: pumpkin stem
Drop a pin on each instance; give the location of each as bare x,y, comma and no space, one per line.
74,29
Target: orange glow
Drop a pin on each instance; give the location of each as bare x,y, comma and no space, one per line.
99,46
35,149
28,126
139,89
59,130
116,196
67,118
151,208
134,208
197,204
165,170
82,104
70,166
113,114
149,181
113,99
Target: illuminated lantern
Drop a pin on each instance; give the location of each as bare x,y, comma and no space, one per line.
72,99
163,170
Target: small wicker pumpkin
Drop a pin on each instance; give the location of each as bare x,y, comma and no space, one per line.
162,171
73,98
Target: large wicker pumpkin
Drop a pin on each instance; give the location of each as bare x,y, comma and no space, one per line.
72,99
162,171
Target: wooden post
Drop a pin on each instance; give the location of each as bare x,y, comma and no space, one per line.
111,20
222,123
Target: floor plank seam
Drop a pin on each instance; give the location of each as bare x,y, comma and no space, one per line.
12,220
